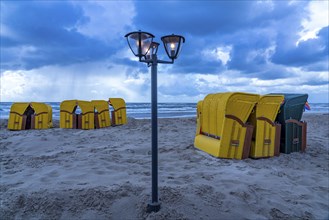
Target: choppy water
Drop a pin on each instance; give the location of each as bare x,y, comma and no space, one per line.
134,110
165,110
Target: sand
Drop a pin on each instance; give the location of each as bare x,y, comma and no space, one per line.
106,174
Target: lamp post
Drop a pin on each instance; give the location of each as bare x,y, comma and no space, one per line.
142,45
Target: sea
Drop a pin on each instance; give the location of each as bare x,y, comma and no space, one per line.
165,110
134,110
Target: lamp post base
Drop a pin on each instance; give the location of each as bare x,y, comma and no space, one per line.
153,207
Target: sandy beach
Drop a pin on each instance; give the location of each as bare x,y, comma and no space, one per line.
106,174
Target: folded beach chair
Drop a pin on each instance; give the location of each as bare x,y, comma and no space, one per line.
118,115
69,119
42,117
86,118
102,115
18,116
293,130
266,135
32,115
223,129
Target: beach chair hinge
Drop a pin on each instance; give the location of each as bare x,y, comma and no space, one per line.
267,141
235,143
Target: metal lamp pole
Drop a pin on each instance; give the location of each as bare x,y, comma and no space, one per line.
154,206
142,46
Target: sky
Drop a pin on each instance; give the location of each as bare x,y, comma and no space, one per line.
59,50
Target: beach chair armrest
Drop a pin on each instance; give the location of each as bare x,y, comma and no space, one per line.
236,119
294,121
266,119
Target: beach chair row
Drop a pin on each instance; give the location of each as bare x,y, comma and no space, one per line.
30,115
241,125
93,114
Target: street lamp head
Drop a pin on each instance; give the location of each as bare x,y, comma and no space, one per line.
173,45
139,42
153,50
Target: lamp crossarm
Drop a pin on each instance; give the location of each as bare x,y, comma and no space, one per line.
156,61
166,62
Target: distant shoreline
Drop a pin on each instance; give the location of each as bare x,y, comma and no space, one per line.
4,121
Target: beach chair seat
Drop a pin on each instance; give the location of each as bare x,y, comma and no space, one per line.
223,129
119,114
266,135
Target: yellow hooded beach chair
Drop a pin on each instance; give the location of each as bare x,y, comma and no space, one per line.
42,117
266,135
102,115
118,115
223,129
17,118
69,119
34,115
86,120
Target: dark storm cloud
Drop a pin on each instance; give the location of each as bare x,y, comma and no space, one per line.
48,29
262,36
258,32
306,53
198,18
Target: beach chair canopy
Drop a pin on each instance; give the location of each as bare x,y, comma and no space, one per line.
19,107
100,105
293,107
117,103
268,106
68,106
216,107
86,107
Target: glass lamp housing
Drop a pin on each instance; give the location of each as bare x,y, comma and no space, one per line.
173,45
153,50
139,42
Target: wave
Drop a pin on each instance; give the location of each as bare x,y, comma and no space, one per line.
143,110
